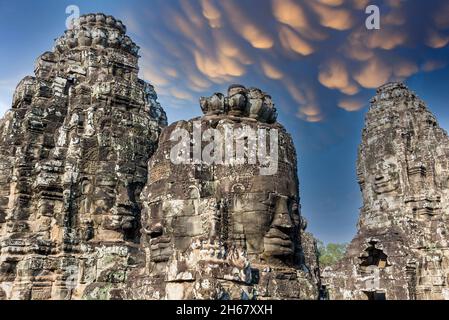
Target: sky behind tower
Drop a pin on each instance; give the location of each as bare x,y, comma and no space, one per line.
315,57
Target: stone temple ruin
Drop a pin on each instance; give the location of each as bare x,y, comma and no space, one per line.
91,207
401,247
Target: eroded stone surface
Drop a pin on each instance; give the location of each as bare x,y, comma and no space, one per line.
75,154
73,161
224,230
401,248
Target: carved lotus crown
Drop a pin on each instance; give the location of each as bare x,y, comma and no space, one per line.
96,30
242,102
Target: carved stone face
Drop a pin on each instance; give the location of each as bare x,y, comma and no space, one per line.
173,223
278,241
110,202
268,221
386,178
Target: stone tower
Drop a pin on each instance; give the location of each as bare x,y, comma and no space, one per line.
78,218
401,247
73,160
225,228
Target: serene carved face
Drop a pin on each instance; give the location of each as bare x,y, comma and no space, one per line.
268,221
125,205
173,223
386,178
110,201
278,240
160,242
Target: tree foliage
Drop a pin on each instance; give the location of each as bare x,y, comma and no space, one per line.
331,253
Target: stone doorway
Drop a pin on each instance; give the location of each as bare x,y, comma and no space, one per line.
375,295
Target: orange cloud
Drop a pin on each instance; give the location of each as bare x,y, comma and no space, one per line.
256,37
333,3
150,75
351,89
436,40
373,74
404,69
289,13
309,113
180,94
394,3
356,48
360,4
432,65
218,67
271,71
386,39
334,75
339,19
291,41
211,13
350,104
243,25
394,18
171,72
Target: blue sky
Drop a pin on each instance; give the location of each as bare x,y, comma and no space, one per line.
315,57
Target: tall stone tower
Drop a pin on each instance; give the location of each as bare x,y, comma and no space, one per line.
73,161
226,229
78,219
401,247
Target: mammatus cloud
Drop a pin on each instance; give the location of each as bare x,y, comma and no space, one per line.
291,41
315,55
350,105
404,69
271,71
432,65
437,40
339,19
334,75
373,73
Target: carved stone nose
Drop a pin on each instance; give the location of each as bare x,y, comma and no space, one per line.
282,216
283,221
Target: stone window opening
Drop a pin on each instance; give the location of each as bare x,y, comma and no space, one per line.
373,257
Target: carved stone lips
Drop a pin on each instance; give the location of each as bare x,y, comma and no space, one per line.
160,249
279,238
382,183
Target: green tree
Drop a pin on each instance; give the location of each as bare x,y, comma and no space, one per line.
331,253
